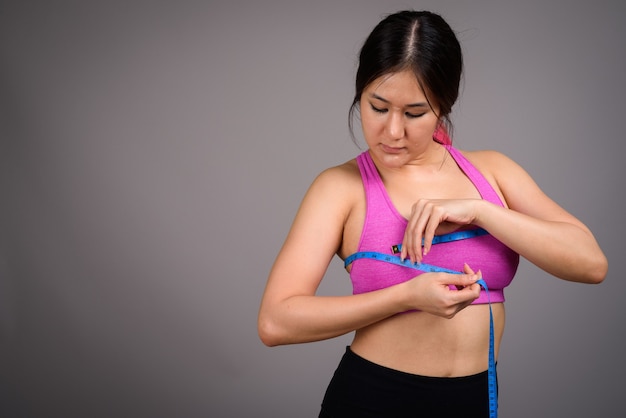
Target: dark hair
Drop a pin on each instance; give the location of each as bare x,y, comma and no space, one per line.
419,41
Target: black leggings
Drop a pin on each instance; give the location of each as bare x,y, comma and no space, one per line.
360,388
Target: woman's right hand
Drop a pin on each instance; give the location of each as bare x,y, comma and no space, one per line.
432,292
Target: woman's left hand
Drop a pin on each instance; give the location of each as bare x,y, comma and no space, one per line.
434,217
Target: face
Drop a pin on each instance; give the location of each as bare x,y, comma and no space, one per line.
398,123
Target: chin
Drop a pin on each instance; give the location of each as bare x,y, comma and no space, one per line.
391,160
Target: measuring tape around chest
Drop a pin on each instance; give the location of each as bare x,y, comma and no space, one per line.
492,384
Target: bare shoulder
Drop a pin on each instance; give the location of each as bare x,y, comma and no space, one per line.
348,171
517,187
319,224
343,179
333,193
498,168
507,177
490,161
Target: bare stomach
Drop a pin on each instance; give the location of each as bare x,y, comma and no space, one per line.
428,345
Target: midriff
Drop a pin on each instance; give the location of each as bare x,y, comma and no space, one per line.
428,345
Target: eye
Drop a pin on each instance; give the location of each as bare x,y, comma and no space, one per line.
414,115
378,110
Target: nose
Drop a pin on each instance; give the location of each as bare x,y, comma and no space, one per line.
395,125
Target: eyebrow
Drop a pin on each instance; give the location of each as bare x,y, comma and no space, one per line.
420,104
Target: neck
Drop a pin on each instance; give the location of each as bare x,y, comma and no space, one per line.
431,159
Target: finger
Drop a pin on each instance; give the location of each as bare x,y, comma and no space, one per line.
467,294
429,232
436,224
467,269
463,280
404,253
417,233
406,243
406,239
410,236
412,241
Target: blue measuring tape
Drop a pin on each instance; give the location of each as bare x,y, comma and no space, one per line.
492,384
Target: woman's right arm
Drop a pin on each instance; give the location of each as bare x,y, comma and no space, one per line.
291,312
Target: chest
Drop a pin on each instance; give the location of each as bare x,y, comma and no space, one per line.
449,183
403,193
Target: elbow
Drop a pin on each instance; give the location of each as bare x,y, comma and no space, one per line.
267,338
595,273
268,332
598,273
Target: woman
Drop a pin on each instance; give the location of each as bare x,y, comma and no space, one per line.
421,337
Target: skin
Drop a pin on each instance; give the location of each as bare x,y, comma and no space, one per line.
448,336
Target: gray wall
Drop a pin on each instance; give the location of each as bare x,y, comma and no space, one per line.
152,157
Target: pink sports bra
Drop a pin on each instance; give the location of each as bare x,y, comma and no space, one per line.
384,227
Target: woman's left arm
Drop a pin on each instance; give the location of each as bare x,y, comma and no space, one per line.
536,227
531,224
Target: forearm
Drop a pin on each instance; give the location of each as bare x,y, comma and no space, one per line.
299,319
563,249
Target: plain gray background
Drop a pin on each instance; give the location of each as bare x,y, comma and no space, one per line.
153,155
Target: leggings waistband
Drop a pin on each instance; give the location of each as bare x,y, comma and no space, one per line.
362,388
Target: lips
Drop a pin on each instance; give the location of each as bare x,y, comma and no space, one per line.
391,150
